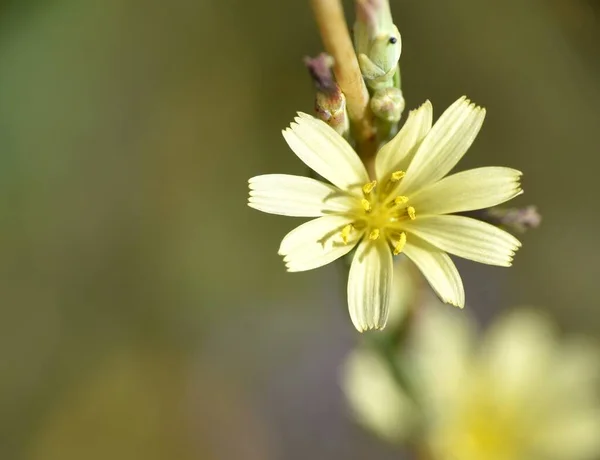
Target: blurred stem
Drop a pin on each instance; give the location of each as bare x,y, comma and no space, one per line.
329,15
386,346
386,130
391,341
420,454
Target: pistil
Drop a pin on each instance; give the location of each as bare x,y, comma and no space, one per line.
345,233
399,245
366,204
397,175
368,188
411,213
374,235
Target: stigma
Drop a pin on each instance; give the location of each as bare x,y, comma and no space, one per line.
375,234
345,233
400,243
397,175
412,214
366,204
368,188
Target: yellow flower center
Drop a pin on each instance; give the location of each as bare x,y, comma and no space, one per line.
380,214
483,428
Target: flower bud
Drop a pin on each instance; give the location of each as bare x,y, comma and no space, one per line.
516,219
378,43
330,102
388,104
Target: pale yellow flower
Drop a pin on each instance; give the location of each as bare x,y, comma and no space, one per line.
404,209
518,394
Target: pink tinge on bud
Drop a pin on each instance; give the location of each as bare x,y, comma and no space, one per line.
366,12
320,71
330,102
374,15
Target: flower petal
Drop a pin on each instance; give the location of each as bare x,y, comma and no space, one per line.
469,190
444,145
325,151
576,368
315,256
527,365
312,231
295,196
369,285
372,392
466,237
397,153
438,269
440,361
572,435
315,243
518,354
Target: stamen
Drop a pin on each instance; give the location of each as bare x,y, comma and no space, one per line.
345,233
374,235
397,175
400,200
400,244
368,188
366,204
411,213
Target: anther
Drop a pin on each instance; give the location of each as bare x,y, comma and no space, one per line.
399,246
397,175
366,204
368,188
345,233
374,235
411,213
400,200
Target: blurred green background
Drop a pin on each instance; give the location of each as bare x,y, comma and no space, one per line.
145,312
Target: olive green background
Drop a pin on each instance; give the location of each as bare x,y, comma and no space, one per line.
145,312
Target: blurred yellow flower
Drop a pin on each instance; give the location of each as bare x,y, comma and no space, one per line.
403,210
519,394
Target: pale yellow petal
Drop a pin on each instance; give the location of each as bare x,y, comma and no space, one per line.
315,257
369,285
322,232
438,269
316,243
444,145
528,367
572,436
518,354
443,340
397,153
469,190
326,152
466,237
375,397
569,410
575,374
296,196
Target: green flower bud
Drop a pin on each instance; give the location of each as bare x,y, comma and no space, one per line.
388,104
331,108
378,43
